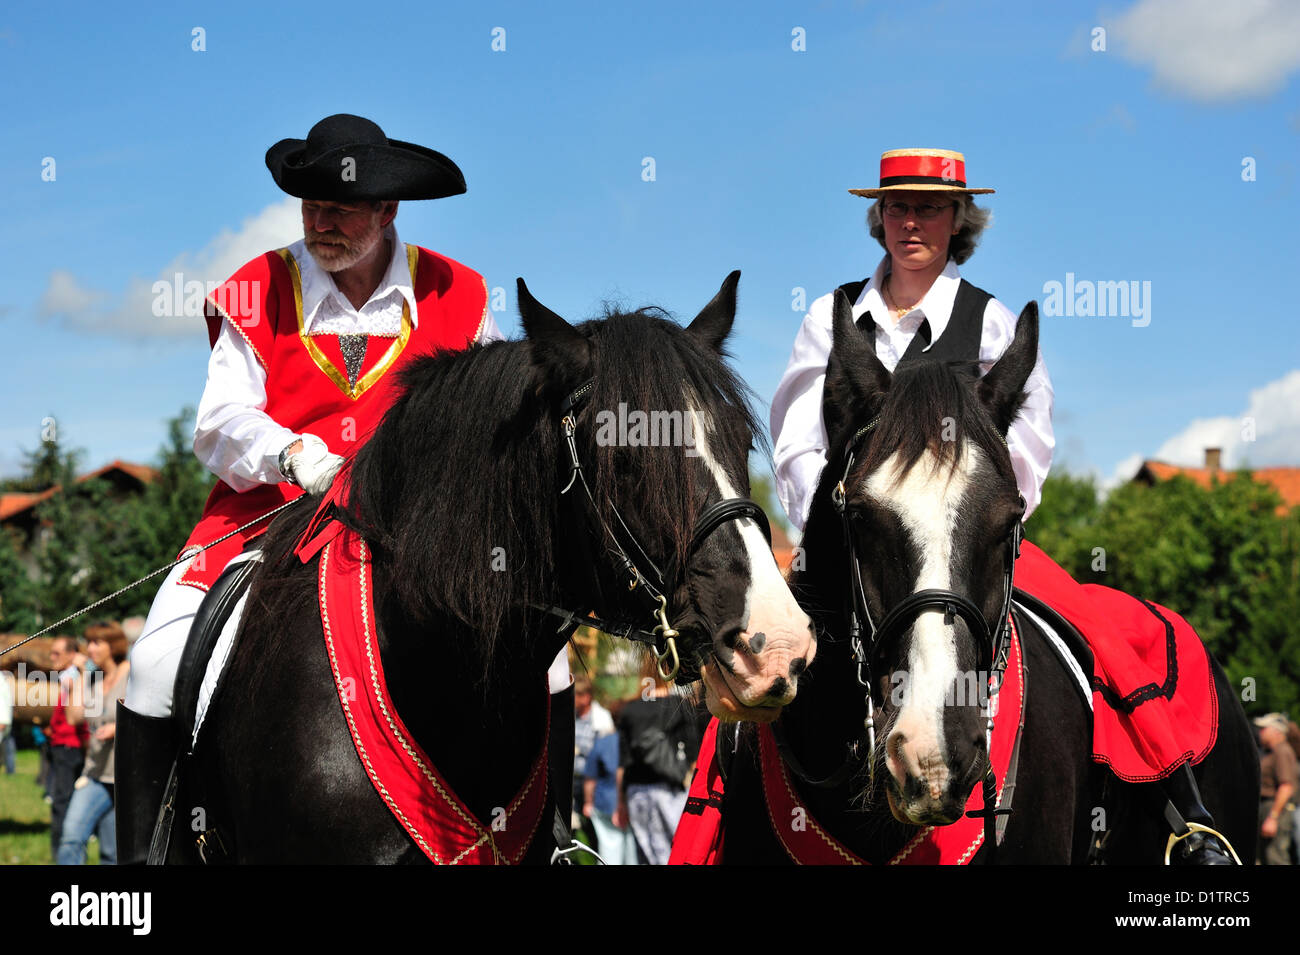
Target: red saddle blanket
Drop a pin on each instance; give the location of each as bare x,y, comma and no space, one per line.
421,800
1154,708
1154,701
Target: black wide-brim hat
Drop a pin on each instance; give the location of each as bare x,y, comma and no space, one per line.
348,158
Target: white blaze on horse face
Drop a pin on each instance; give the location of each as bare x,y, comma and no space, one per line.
774,627
927,503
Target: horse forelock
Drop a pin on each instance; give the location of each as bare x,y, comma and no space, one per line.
649,365
931,407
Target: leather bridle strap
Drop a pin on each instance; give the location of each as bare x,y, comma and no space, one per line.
729,509
952,604
993,648
644,574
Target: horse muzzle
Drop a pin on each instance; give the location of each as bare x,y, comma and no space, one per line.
754,673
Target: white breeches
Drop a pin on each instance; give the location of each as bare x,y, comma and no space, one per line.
156,655
157,651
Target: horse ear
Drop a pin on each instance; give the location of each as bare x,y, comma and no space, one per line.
713,324
856,381
561,354
1002,390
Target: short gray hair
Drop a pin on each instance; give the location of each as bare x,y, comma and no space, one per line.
969,219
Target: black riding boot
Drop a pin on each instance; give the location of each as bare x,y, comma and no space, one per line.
560,769
145,749
1190,844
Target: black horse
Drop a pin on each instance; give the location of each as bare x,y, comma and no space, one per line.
919,480
496,486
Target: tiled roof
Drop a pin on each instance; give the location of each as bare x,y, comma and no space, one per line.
16,502
1285,480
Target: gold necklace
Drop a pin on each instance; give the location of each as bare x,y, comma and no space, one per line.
898,310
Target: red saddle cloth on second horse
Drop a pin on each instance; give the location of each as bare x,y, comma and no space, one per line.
1154,701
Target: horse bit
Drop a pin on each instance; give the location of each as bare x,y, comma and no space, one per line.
645,577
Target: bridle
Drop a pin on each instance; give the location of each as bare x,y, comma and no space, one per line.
632,559
993,648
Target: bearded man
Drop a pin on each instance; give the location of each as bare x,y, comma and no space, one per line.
305,344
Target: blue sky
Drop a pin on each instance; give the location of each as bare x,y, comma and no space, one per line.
1117,164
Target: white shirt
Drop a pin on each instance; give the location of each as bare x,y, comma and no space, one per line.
799,433
233,436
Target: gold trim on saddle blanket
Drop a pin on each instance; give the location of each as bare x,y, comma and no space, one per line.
322,362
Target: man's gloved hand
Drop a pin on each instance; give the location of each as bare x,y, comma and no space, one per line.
313,468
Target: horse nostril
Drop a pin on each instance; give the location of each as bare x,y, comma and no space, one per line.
895,746
797,668
779,688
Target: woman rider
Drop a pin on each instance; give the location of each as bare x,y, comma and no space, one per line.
921,308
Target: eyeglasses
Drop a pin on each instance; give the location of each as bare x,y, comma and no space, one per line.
928,210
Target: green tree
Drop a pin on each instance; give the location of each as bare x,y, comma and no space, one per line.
17,589
1221,557
1068,508
45,466
90,542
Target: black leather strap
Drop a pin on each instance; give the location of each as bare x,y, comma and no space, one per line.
206,629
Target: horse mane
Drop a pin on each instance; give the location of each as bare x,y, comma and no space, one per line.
458,489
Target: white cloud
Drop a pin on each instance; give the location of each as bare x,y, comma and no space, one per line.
1213,50
130,312
1266,434
1124,471
64,296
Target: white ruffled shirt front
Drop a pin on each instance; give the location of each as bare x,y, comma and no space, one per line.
799,434
234,437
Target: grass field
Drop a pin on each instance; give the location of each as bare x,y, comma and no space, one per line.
25,817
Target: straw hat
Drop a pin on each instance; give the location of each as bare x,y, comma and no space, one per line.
920,170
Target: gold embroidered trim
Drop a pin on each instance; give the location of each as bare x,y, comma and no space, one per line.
366,381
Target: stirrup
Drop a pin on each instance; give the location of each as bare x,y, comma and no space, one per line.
1193,828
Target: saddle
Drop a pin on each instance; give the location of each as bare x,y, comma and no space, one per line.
1067,643
191,678
205,632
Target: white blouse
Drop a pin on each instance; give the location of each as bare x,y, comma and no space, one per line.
234,437
799,434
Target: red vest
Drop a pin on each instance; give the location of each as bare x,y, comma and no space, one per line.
306,379
63,733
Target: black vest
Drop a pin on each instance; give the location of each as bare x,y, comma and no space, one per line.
961,337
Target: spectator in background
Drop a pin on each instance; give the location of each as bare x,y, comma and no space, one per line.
591,720
1277,788
7,722
1293,740
67,742
91,808
42,744
657,747
614,840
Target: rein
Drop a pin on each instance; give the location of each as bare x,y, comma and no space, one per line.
993,648
152,574
644,578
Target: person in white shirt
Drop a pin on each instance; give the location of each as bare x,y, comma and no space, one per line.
919,305
916,306
332,315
